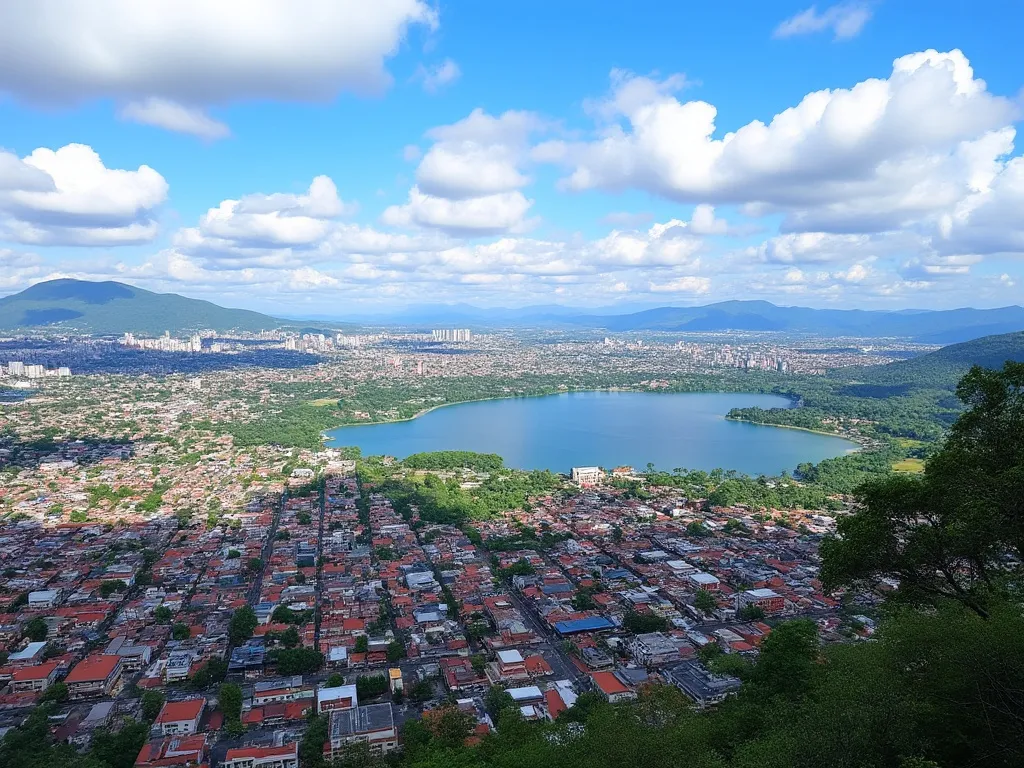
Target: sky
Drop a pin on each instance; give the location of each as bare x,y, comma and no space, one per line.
338,157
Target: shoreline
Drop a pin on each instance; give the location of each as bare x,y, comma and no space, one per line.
328,439
858,441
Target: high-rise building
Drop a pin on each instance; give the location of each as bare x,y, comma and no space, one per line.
451,334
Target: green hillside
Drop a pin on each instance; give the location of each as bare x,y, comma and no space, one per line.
944,367
82,306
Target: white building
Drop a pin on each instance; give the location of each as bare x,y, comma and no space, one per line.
584,476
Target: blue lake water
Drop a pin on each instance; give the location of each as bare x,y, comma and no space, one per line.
606,429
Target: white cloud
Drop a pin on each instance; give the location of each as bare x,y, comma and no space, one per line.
845,20
195,52
479,155
435,78
172,116
71,198
868,158
473,216
688,285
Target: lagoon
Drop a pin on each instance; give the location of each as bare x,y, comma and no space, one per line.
607,429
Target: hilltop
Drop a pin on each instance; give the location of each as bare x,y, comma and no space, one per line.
944,367
83,306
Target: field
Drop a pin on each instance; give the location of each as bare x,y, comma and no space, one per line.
908,465
323,402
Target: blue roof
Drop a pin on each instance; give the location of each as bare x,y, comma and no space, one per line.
583,625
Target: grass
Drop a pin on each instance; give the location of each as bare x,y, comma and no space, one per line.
909,465
322,402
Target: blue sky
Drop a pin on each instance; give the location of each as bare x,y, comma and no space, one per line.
326,157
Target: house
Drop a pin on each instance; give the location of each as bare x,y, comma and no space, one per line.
29,655
37,678
509,666
587,476
173,752
178,665
279,713
286,689
135,657
653,648
98,675
705,581
701,685
372,725
285,756
180,717
613,689
338,697
766,599
44,598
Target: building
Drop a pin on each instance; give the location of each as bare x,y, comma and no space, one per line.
173,752
180,717
701,685
395,679
510,666
587,476
612,688
339,697
37,678
451,334
45,598
98,675
372,725
705,581
29,655
178,665
766,599
285,756
653,649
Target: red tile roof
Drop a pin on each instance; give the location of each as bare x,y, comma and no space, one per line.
181,711
93,669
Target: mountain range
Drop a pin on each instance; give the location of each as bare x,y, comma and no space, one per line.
113,308
83,306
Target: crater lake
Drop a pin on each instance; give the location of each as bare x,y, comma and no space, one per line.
607,429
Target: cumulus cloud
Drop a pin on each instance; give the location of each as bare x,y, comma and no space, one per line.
435,78
69,197
172,116
845,20
685,285
196,52
472,216
871,157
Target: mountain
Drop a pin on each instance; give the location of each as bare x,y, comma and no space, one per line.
943,367
83,306
926,326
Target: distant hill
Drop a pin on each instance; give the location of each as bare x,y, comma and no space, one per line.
83,306
936,327
943,367
933,327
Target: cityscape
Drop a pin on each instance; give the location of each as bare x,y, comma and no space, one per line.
466,385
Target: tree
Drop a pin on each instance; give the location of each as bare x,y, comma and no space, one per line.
229,699
395,651
243,623
497,700
36,630
946,533
107,588
334,680
213,671
642,623
362,644
297,661
57,692
152,703
370,686
181,631
255,565
704,601
162,614
290,637
233,554
750,612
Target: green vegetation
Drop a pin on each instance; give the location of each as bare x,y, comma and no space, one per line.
212,672
370,686
480,462
181,631
152,702
296,661
243,623
229,699
36,630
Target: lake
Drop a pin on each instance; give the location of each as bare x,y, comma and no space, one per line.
607,429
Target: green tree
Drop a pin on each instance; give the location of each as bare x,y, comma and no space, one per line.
704,601
229,699
36,630
243,623
181,631
162,614
362,644
152,702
